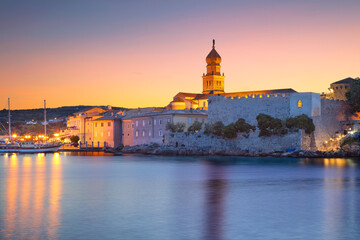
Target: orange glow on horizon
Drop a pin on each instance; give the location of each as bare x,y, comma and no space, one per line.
269,47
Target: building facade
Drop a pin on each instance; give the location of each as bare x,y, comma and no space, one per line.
77,124
151,127
339,89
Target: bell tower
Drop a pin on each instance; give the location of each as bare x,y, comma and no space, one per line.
213,81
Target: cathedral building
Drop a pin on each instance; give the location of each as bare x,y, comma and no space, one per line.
213,84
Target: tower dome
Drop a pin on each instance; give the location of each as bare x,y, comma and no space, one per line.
213,81
213,57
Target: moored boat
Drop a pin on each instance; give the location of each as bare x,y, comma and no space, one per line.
15,147
29,148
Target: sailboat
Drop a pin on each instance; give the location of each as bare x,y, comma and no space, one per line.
13,147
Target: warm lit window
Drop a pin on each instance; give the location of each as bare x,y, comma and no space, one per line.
143,134
137,133
102,134
95,134
300,104
95,124
109,134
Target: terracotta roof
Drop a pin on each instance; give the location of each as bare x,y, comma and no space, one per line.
87,109
201,96
108,118
174,112
284,90
346,80
187,94
139,111
178,100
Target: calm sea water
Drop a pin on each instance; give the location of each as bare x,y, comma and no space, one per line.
64,196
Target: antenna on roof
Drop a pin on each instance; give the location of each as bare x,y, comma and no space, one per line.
213,43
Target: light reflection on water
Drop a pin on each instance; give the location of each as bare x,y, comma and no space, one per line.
32,187
99,196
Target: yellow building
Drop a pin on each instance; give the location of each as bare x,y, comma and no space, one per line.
77,124
213,84
339,89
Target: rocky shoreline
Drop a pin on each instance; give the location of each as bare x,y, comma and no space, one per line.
195,151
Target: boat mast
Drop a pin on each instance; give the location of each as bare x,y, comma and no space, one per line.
9,120
45,118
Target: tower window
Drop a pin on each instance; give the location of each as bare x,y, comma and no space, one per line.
300,104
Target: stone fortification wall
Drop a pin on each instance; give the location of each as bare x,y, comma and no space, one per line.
282,106
329,123
251,144
228,110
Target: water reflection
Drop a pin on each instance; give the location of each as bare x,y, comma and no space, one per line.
330,162
215,201
93,154
33,190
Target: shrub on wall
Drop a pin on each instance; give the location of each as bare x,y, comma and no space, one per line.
218,128
208,128
270,126
242,126
195,127
301,122
214,128
230,131
175,127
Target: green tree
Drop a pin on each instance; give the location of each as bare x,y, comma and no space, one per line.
195,127
74,139
230,131
270,126
218,128
301,122
353,96
242,126
175,127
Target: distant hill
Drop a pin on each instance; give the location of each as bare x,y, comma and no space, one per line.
38,113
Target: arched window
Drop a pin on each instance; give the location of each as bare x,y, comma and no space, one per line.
300,104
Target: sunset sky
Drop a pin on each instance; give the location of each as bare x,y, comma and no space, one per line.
141,53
